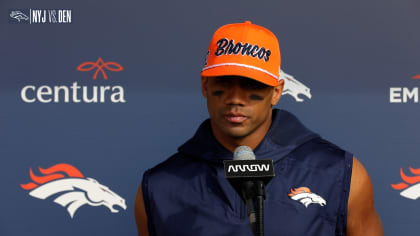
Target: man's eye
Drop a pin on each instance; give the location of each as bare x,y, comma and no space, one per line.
256,97
217,93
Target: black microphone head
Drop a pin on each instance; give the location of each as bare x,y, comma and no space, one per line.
243,153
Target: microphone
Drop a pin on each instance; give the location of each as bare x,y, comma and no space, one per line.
248,176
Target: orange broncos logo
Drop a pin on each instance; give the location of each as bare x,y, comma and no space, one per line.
410,186
51,174
71,188
296,191
305,196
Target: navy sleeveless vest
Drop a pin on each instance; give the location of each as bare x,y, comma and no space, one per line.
189,195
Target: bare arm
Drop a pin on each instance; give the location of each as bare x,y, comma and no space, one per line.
140,214
362,218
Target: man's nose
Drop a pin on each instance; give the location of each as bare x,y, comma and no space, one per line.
235,95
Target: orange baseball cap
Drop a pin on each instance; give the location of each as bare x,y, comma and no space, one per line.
244,49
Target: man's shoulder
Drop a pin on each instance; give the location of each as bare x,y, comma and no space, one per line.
321,144
176,166
174,161
321,151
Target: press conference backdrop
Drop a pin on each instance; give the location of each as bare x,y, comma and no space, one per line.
93,93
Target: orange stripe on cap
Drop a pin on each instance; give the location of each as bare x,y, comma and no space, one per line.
244,49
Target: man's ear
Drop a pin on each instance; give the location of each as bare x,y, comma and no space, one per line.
204,89
277,91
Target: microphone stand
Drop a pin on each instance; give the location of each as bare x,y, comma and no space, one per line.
254,194
249,177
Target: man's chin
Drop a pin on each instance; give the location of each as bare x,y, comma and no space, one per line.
236,132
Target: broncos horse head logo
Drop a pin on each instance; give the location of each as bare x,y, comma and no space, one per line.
410,192
306,197
72,191
293,87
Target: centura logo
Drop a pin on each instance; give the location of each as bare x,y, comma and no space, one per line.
246,167
99,64
411,185
71,189
404,94
18,15
306,197
75,93
293,87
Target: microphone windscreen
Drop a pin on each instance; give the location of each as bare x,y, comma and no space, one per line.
243,153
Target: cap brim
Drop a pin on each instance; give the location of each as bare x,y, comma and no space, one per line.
229,70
